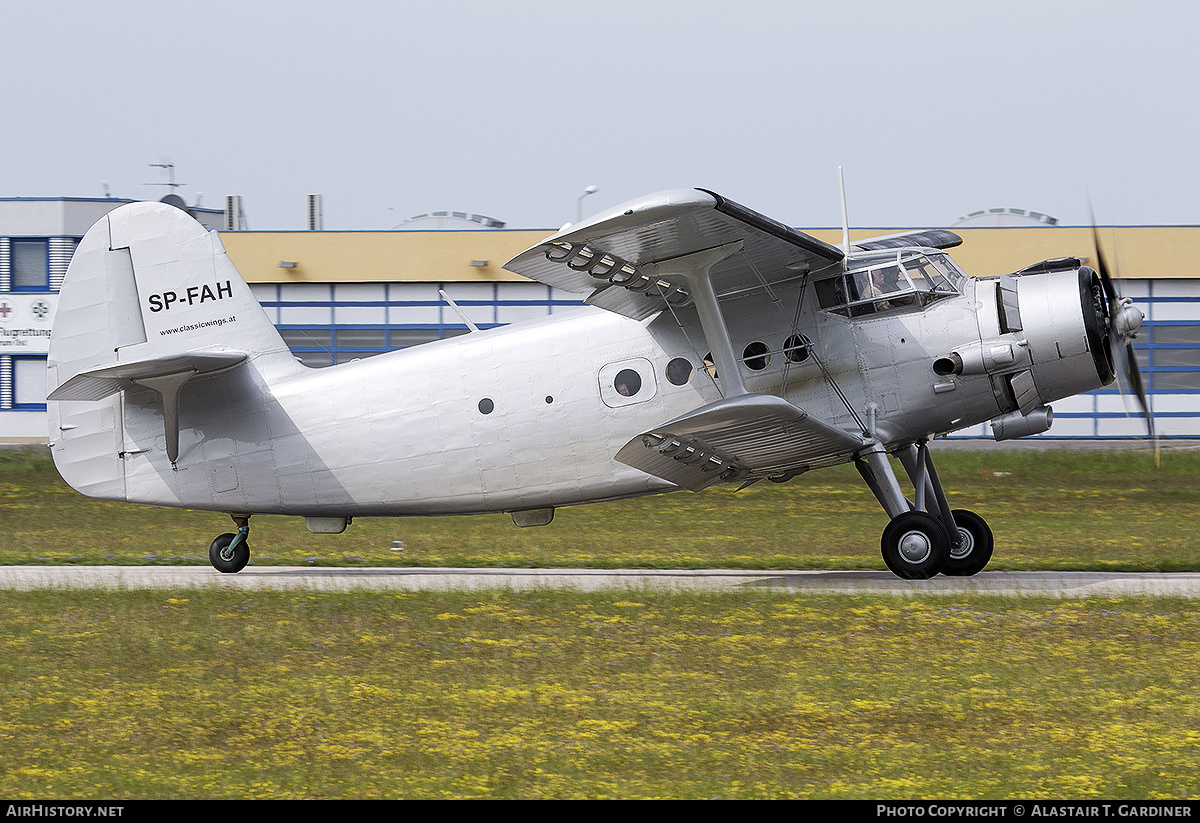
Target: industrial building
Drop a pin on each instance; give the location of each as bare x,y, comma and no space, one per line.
338,296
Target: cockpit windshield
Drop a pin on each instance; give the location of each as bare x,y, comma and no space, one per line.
894,281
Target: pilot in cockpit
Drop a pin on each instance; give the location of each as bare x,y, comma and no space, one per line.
876,288
883,281
886,281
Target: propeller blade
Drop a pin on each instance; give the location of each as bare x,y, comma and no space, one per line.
1124,356
1135,380
1134,377
1110,290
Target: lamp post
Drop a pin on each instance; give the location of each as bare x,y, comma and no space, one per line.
579,211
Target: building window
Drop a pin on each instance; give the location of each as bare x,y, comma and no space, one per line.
29,383
371,341
30,265
1170,357
1176,381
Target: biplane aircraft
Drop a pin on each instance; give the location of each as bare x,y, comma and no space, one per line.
720,346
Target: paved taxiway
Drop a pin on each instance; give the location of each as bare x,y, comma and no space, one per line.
1053,584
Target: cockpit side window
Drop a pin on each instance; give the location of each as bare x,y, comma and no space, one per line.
831,292
883,283
931,273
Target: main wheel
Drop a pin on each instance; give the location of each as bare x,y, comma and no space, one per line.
974,547
227,560
915,545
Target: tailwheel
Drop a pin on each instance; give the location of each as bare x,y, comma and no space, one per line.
973,549
229,553
915,545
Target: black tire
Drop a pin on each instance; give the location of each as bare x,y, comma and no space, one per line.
915,545
974,549
225,561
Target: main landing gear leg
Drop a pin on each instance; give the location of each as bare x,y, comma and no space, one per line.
971,540
922,539
229,553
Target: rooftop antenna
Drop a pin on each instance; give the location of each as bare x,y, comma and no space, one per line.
845,219
170,167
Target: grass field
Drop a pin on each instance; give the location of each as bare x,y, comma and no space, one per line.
209,693
1048,509
214,693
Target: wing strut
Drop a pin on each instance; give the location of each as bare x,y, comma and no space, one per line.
694,268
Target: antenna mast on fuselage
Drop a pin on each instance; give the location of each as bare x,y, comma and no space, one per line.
845,220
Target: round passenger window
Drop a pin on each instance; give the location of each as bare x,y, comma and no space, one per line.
486,406
795,348
627,382
756,356
679,371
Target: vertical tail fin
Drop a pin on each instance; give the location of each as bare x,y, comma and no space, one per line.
150,300
148,281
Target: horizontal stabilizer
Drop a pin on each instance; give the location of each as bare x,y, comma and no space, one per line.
96,384
736,439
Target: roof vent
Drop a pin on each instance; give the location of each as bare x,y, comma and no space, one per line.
316,214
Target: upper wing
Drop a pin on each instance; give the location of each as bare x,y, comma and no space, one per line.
604,256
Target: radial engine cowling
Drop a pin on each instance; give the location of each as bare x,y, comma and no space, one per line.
1064,318
1053,343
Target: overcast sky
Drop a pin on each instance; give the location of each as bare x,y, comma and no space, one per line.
511,108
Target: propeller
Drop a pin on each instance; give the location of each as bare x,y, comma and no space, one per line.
1124,320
